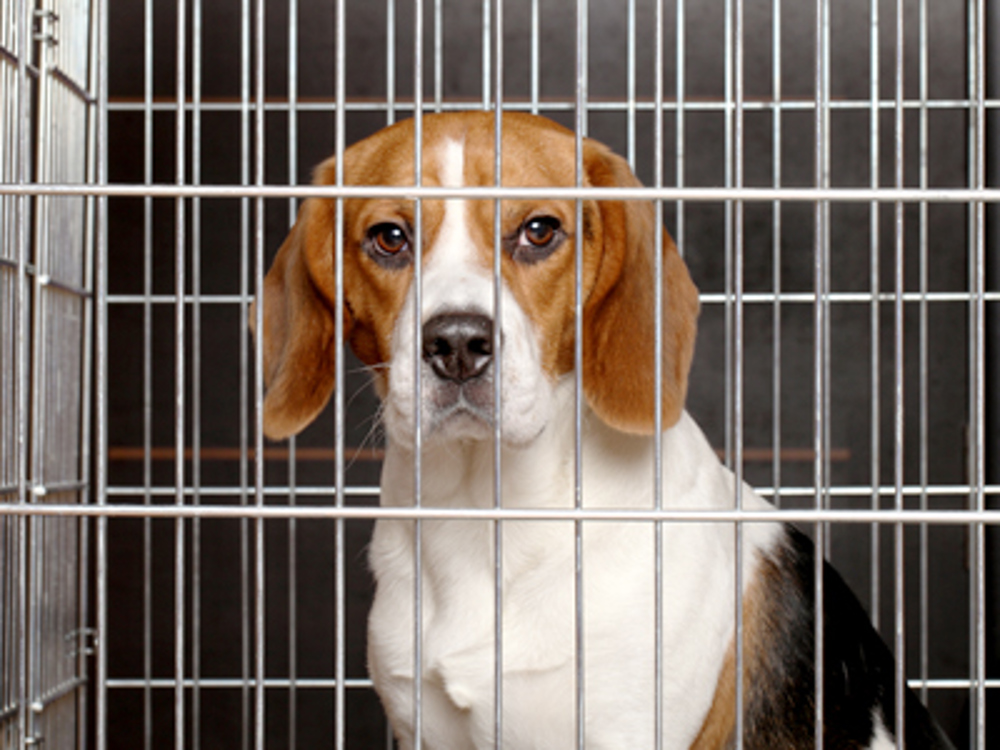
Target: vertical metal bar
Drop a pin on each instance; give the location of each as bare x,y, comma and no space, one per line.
978,405
340,427
196,372
582,10
680,45
737,52
924,562
498,380
536,33
820,273
971,436
390,85
83,639
875,323
390,61
245,251
776,229
260,593
293,161
147,378
899,382
390,65
23,120
439,55
827,358
39,529
658,157
418,231
630,73
180,156
487,31
100,77
727,57
293,103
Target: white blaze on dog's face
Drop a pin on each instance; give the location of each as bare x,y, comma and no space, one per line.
457,315
457,354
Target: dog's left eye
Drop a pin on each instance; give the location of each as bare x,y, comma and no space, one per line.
540,232
537,239
388,244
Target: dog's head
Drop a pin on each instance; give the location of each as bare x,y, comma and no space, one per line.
457,318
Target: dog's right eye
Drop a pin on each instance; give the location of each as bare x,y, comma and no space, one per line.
388,244
536,239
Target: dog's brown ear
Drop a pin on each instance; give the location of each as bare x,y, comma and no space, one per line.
619,314
299,329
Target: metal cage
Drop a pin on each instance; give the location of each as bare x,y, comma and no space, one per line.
170,579
46,329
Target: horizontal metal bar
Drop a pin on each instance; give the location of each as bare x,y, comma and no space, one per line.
234,682
759,104
938,490
235,491
171,299
363,683
50,283
710,298
46,280
11,58
11,263
47,489
941,490
848,297
950,684
277,512
40,704
351,454
227,453
56,694
75,88
689,194
203,490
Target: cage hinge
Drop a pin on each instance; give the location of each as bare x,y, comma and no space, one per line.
45,27
82,641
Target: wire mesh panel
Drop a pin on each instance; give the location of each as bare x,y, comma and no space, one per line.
841,357
823,167
45,278
12,406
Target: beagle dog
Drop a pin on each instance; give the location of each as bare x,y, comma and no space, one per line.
461,321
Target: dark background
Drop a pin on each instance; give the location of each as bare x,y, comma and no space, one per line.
218,249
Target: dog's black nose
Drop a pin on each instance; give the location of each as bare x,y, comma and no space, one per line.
458,346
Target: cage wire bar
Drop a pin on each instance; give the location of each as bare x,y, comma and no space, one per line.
977,369
497,343
581,125
46,274
59,314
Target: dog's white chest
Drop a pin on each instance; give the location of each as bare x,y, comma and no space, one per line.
459,647
539,596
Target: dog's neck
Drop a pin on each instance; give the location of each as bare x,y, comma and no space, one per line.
617,468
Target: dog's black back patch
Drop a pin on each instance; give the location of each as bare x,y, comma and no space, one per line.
858,674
